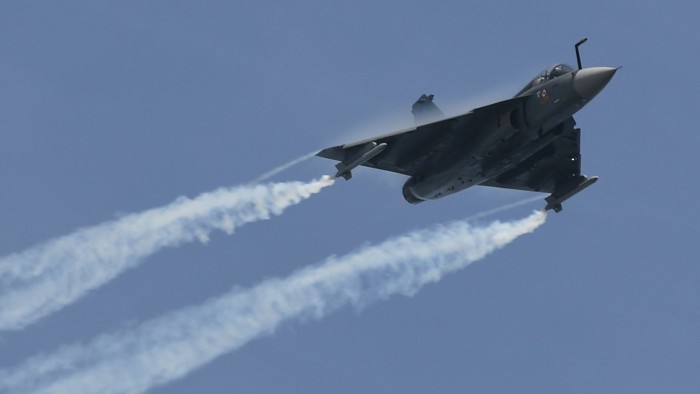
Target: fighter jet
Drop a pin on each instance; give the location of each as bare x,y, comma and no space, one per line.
528,142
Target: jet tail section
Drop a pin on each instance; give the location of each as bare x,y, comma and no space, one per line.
425,111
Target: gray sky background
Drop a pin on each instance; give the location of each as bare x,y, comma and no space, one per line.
117,107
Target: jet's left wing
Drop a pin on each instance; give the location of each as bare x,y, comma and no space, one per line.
555,169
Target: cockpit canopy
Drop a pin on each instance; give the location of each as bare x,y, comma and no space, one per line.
549,73
557,70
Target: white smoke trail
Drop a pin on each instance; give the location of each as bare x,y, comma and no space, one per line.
503,208
171,346
47,277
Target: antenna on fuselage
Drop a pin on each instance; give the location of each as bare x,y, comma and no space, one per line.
578,55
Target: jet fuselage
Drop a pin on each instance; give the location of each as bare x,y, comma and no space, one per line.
528,142
504,140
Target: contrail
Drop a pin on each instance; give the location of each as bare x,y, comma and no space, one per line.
47,277
171,346
283,167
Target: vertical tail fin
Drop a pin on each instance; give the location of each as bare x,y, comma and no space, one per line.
425,111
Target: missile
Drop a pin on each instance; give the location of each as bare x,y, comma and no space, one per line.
554,201
345,167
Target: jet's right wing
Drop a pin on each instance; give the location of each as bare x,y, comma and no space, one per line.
406,151
399,148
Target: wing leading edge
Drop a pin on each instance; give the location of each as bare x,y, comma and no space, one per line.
405,151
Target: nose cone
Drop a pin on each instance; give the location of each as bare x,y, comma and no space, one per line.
590,81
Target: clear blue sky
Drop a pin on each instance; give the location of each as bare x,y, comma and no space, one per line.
116,107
